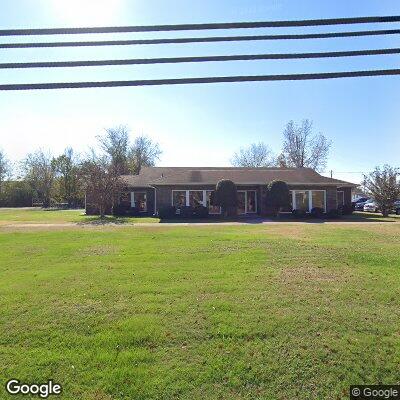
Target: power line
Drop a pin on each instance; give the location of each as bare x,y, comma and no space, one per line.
175,60
202,39
207,26
217,79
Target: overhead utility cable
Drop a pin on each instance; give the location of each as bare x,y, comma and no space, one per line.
175,60
209,39
196,27
216,79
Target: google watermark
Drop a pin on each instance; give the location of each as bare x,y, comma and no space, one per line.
42,390
375,392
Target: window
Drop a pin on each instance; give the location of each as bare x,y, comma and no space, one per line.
241,209
179,198
251,202
196,198
247,201
301,200
340,198
139,200
306,200
211,209
318,199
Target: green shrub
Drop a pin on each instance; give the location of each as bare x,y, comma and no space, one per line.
226,197
317,212
277,196
167,212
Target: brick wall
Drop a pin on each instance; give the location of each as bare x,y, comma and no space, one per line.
164,194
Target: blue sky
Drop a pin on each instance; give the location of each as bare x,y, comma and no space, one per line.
200,125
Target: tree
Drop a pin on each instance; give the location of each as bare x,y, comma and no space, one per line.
101,181
303,148
115,144
277,196
255,155
281,161
384,187
226,197
67,175
128,158
38,170
16,193
142,153
5,169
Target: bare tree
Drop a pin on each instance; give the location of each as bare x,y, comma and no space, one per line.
5,169
67,175
38,170
384,187
143,153
303,148
255,155
101,181
115,143
281,161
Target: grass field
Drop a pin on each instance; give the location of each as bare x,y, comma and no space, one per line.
13,216
214,312
40,216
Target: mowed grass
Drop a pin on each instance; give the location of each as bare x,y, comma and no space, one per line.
32,215
219,312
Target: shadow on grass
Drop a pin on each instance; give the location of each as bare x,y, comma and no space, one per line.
308,219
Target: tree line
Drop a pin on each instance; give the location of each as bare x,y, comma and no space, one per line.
45,179
49,180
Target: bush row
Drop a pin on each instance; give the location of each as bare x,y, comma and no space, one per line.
183,212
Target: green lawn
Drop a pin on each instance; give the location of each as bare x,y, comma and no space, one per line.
12,216
214,312
40,216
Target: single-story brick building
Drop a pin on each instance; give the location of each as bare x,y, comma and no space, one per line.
158,187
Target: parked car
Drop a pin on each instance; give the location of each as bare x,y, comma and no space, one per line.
371,206
359,204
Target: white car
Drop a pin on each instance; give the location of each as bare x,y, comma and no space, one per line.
371,206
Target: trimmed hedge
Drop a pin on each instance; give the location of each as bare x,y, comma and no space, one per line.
277,196
184,212
225,196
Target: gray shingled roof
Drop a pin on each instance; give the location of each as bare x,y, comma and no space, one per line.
156,176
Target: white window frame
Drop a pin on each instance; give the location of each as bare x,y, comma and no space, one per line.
187,197
245,201
133,202
310,205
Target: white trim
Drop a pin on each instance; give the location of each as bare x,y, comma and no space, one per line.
155,200
132,199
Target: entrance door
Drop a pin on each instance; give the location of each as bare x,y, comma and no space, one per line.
241,209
